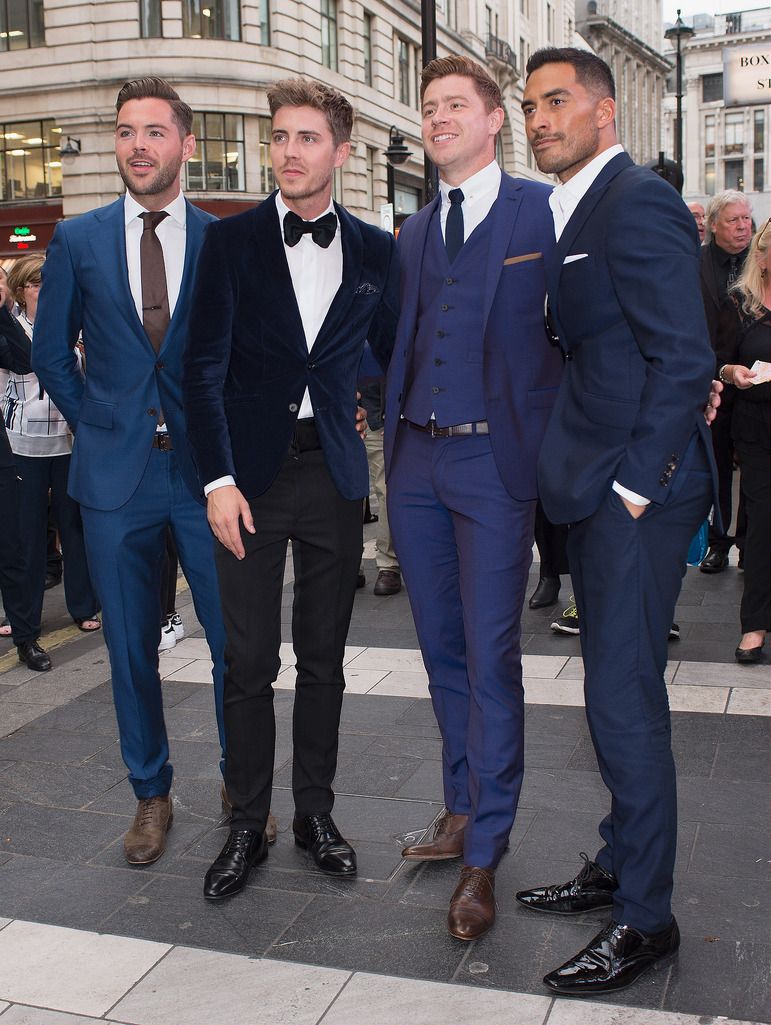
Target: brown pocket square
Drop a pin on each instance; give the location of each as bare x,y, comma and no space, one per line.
523,258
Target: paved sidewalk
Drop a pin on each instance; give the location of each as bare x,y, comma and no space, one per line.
86,936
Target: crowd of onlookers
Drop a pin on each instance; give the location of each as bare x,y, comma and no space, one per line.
735,262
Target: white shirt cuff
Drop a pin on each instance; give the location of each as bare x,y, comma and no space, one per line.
220,482
630,496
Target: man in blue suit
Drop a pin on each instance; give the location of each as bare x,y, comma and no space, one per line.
123,276
471,384
270,401
627,462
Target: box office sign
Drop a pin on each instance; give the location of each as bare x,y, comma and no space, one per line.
747,74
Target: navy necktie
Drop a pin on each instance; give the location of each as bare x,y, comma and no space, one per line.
322,230
453,229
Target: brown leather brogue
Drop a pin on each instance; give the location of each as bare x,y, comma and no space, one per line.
271,826
145,842
447,842
472,906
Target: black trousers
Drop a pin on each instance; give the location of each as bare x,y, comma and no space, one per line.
723,447
12,563
755,459
552,539
304,506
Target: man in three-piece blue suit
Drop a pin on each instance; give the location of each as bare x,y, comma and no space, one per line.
123,275
471,384
627,462
270,401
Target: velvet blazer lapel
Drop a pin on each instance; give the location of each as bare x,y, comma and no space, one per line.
272,273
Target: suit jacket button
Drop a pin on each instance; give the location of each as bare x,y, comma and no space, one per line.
152,412
663,481
293,407
160,365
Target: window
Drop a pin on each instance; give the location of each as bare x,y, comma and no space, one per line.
218,163
709,135
712,87
150,23
267,182
264,14
523,7
403,60
30,167
734,175
734,133
21,24
522,55
337,185
499,150
329,34
550,23
758,174
418,70
759,131
367,29
370,202
709,178
211,19
406,200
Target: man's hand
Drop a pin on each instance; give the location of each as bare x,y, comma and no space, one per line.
361,419
225,507
710,410
635,511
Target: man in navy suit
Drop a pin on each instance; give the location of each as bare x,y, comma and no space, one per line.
270,401
627,462
131,469
469,391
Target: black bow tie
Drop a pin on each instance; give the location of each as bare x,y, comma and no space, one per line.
323,230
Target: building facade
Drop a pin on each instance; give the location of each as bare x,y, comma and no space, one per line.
62,63
725,144
627,34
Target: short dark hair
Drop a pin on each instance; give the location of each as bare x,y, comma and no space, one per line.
303,92
158,89
457,64
591,71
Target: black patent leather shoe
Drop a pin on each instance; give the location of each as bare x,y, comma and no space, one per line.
33,656
591,890
321,838
546,593
614,959
714,561
228,874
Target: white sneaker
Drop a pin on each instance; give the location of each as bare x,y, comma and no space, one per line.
168,637
178,625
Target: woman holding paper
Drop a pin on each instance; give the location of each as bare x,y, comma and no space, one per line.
744,360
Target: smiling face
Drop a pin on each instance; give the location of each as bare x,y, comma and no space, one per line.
304,158
566,124
458,130
150,151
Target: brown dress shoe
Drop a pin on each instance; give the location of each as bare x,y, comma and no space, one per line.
145,842
389,581
447,842
472,906
271,826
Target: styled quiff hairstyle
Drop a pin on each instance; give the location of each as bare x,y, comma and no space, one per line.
24,270
488,89
157,89
591,71
303,92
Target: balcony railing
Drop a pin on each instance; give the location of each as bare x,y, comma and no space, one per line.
499,49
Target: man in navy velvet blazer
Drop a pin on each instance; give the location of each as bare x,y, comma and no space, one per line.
627,462
472,380
288,294
131,470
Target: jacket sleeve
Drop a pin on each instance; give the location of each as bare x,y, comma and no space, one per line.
15,349
383,328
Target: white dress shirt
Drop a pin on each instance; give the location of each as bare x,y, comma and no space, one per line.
316,274
171,232
480,191
563,201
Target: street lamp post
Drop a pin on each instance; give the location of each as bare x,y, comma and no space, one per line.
679,32
396,154
428,33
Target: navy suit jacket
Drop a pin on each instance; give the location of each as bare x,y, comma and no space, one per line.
521,369
113,411
630,318
247,363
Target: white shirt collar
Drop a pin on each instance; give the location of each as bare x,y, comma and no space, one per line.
573,191
484,181
283,209
177,209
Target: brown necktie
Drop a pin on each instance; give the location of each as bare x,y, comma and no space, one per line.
155,297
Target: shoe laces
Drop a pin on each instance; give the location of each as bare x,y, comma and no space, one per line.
238,842
321,827
571,612
475,883
148,811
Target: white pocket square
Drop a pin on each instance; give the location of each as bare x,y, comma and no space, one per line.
574,257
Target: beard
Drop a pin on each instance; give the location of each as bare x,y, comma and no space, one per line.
165,176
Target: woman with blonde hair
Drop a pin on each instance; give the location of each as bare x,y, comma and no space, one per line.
41,442
745,339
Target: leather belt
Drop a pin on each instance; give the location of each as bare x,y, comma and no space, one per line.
162,440
479,427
